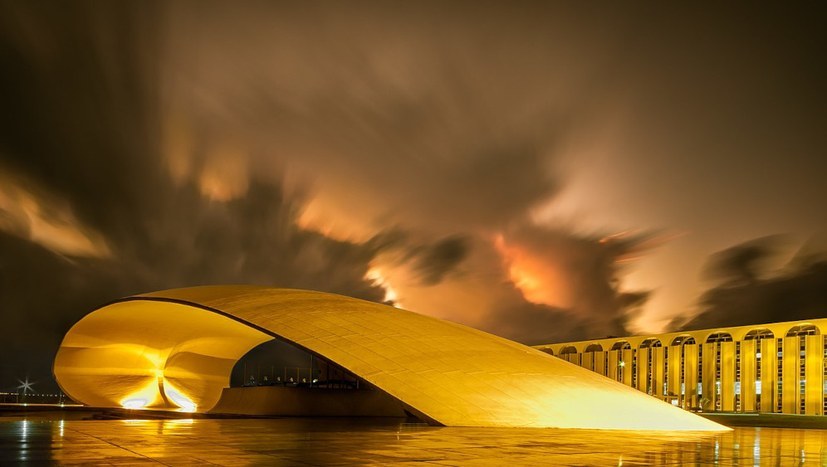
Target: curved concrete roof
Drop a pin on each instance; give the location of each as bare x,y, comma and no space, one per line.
176,348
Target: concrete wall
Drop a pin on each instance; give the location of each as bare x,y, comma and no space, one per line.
307,402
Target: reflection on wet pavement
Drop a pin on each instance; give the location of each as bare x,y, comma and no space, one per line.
359,442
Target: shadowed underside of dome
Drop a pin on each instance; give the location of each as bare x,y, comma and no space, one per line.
176,349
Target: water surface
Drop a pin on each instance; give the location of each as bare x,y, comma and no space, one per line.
303,442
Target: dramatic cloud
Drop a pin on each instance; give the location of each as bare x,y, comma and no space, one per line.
87,211
749,291
397,152
744,264
391,130
46,221
415,130
147,147
577,275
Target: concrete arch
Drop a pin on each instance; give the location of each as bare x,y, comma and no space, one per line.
177,348
758,334
718,336
594,348
620,345
702,336
738,333
681,339
651,342
552,349
801,329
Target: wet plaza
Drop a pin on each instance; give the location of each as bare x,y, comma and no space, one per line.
303,442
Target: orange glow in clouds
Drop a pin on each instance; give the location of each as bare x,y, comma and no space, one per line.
375,276
538,281
178,148
320,215
46,220
224,176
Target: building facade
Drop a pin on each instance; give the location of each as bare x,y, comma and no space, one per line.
767,368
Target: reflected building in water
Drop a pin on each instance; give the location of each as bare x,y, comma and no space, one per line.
302,441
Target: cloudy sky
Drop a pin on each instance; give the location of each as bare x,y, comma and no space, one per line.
542,171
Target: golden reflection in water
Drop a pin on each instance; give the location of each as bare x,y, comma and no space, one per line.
360,442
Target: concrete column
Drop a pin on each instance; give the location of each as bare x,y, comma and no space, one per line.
674,370
628,358
690,375
600,363
769,375
611,367
748,376
708,379
642,369
790,376
657,371
814,373
728,376
587,361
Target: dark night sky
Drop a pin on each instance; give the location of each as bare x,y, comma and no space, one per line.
542,171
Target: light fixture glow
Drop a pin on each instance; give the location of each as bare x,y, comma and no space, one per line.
25,386
179,399
134,403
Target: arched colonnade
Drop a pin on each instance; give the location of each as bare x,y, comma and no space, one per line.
770,368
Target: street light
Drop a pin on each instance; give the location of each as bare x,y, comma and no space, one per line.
26,386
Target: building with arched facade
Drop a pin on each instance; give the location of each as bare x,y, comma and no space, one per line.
768,368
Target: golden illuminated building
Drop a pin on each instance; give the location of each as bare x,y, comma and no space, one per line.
175,349
767,368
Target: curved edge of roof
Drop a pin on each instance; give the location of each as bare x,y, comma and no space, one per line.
153,298
445,372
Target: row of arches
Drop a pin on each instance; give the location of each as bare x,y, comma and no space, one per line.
770,368
805,329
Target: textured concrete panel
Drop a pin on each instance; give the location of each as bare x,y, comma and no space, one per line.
283,401
748,376
769,375
690,375
814,368
727,376
674,373
790,376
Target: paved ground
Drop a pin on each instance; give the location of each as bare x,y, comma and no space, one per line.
303,442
